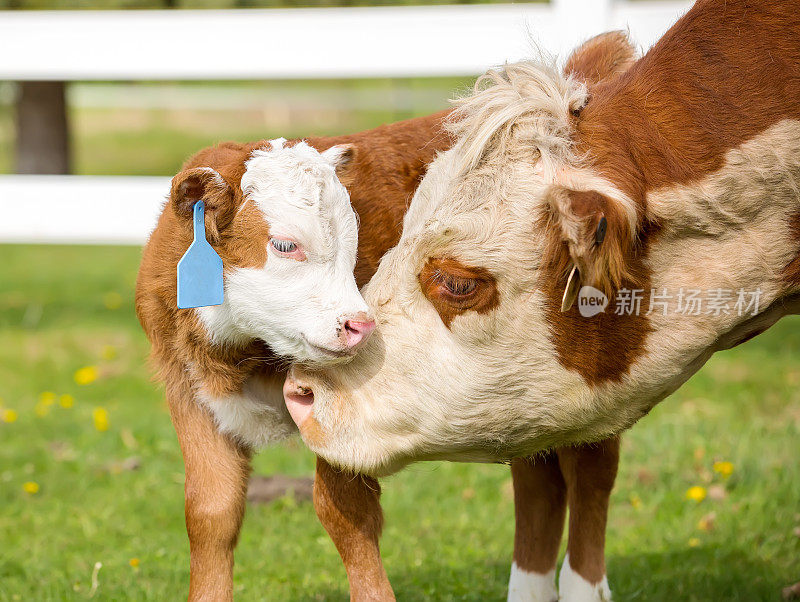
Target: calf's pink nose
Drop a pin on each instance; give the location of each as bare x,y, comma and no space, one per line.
356,330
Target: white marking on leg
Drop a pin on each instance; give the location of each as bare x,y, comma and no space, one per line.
575,588
524,586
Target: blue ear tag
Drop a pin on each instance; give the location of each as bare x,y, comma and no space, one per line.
200,269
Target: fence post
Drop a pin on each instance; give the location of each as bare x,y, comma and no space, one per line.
42,128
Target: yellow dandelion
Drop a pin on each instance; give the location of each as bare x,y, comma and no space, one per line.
41,409
112,300
47,398
9,415
694,542
636,501
66,401
30,487
109,352
134,562
696,493
86,375
100,417
723,468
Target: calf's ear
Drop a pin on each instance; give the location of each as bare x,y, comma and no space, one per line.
590,237
207,185
601,57
342,157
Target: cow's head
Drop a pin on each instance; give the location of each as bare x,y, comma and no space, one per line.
283,225
469,302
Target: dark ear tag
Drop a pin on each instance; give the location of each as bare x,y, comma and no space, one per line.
600,233
200,269
572,290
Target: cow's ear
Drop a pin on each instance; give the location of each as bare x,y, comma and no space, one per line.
207,185
601,57
342,157
590,237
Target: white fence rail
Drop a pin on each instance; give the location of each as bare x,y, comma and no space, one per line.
264,44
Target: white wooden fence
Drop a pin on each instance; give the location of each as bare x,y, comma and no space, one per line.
263,44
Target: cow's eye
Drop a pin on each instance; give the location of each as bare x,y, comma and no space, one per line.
457,286
454,288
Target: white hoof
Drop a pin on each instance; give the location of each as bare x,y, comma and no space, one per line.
575,588
531,587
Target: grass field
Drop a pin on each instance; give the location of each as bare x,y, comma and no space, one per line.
100,481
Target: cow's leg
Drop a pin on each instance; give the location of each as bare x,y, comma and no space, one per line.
539,507
349,508
589,472
216,486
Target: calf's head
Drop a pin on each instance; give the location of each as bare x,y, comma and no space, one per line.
282,223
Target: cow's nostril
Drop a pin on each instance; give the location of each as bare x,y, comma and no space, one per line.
299,399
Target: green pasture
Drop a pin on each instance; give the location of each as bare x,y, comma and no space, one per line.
96,486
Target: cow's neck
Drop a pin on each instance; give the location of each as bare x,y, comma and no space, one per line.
722,75
704,134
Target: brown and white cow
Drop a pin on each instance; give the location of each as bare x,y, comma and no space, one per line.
680,175
269,207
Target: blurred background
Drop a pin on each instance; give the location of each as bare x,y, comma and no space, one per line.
99,105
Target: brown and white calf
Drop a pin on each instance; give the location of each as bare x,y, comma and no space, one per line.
680,178
280,219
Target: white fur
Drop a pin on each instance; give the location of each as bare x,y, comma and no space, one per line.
574,588
296,307
524,586
491,387
256,417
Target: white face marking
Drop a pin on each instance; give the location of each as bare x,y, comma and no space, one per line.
524,586
296,303
575,588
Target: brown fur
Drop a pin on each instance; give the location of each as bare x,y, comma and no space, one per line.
674,114
589,472
348,506
580,477
601,57
540,507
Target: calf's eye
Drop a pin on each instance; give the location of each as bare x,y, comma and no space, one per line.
283,245
287,248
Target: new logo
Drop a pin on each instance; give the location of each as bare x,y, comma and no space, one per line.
591,301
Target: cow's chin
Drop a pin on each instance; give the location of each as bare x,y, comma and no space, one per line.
342,429
380,456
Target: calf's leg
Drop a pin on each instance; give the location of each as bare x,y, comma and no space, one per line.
217,469
539,508
348,506
589,472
